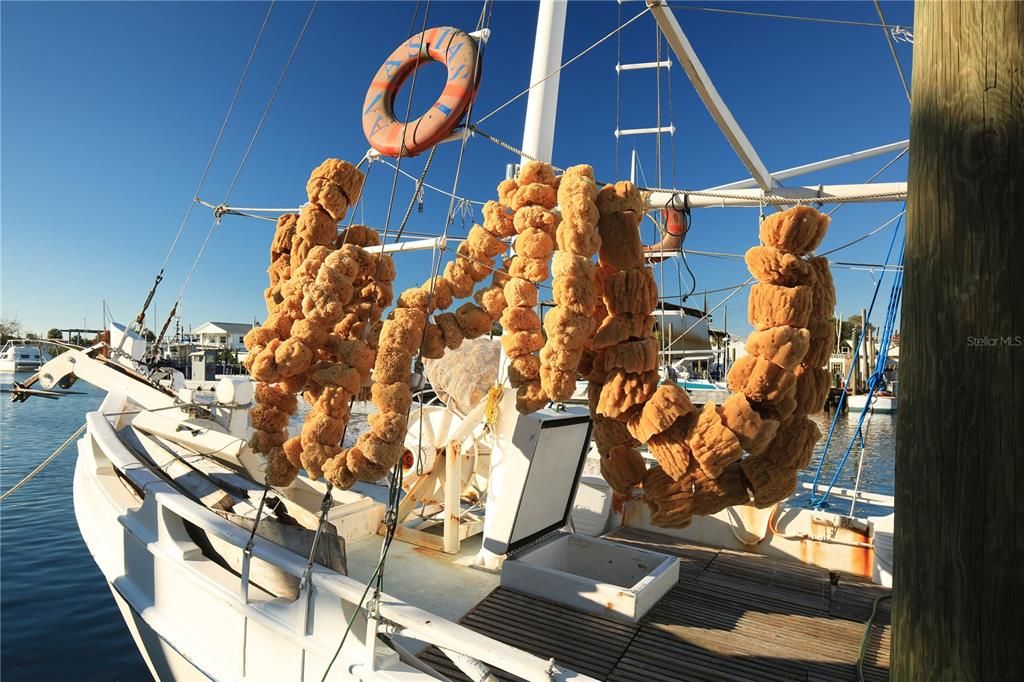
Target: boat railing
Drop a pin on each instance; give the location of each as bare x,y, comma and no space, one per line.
386,616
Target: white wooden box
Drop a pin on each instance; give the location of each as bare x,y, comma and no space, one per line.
592,574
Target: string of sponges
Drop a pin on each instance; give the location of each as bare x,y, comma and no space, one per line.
313,286
530,198
409,332
570,324
776,385
621,360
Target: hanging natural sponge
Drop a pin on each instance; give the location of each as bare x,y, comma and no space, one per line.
713,445
770,483
537,171
568,330
633,356
753,430
793,444
668,404
671,504
558,381
776,306
335,185
821,343
670,448
812,388
531,269
535,194
535,218
615,329
473,320
534,243
498,220
625,392
530,397
796,231
824,292
492,299
520,293
316,226
621,197
482,243
631,291
761,380
621,248
623,468
784,346
768,264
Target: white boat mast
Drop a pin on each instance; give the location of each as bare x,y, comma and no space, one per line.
542,103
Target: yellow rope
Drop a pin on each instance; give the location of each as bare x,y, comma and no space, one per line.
491,409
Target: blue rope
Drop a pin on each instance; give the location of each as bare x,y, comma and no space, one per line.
873,381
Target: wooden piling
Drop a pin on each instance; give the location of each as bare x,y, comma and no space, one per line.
959,537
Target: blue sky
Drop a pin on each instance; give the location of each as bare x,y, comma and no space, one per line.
109,111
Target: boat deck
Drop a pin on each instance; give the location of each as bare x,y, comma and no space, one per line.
732,616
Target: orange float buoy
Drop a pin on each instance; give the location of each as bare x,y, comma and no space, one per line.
459,52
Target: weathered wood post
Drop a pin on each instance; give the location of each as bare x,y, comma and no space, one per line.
959,547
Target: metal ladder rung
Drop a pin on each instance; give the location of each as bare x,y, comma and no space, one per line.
663,64
671,130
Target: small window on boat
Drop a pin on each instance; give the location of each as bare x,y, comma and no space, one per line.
25,356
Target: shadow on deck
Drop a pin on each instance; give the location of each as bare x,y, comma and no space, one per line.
732,616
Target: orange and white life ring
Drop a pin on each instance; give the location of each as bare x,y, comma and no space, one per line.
458,51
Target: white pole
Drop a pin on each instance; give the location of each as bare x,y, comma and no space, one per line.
871,192
542,103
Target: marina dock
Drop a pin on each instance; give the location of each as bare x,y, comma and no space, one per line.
732,616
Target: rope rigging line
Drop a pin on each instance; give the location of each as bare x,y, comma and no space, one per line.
42,465
792,17
881,170
465,139
861,238
706,315
873,381
415,193
220,134
618,81
252,142
140,318
892,48
395,486
428,185
601,40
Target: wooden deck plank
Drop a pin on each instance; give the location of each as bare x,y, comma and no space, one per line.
732,616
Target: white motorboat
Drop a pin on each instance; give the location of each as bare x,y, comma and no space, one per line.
18,356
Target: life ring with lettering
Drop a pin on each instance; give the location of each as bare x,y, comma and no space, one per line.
454,48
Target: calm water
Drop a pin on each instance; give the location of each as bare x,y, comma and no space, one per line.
58,617
879,470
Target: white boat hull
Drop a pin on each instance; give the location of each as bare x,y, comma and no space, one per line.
880,404
16,366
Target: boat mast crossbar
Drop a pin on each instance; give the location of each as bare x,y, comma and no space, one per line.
663,64
670,129
806,168
780,196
